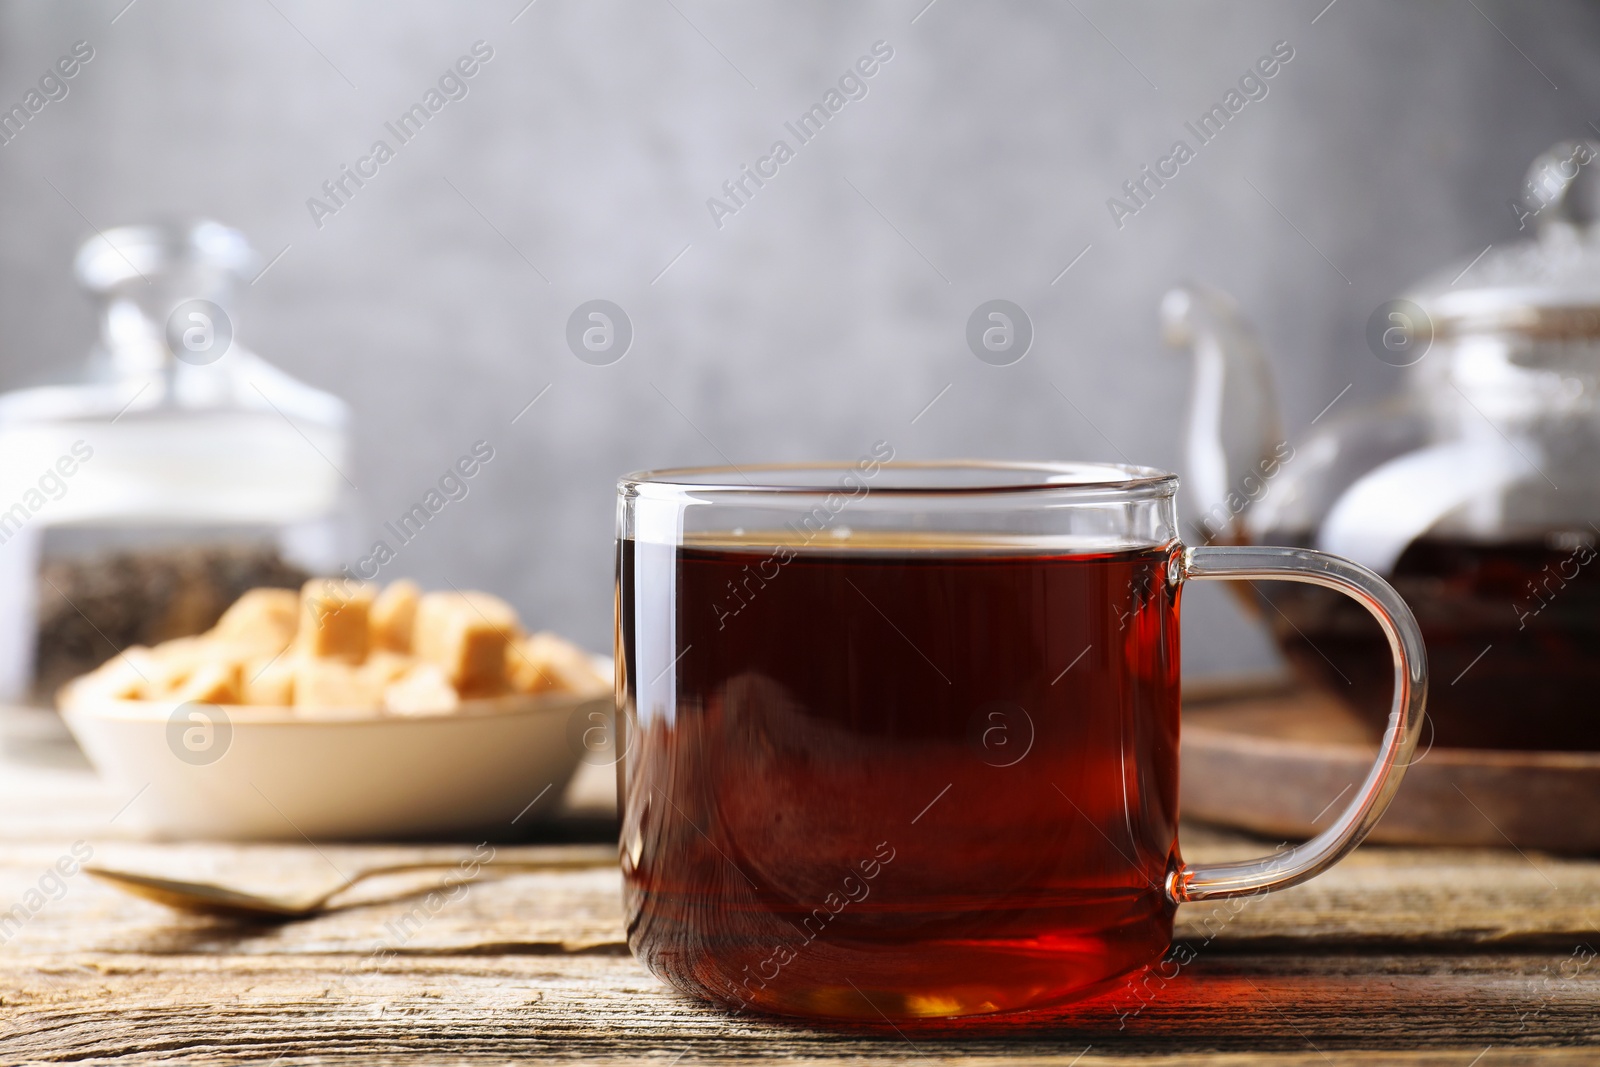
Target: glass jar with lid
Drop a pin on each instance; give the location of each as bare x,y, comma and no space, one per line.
175,470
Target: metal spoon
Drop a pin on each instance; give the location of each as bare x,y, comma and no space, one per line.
206,898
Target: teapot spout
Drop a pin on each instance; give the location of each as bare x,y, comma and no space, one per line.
1235,434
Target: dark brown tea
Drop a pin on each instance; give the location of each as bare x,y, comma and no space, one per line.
1512,632
888,777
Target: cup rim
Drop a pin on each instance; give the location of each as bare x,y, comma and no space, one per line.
964,478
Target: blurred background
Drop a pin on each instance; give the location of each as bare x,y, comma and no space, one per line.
825,311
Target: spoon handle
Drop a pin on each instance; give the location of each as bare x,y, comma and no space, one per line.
592,860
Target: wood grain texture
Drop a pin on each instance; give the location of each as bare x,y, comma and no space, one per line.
606,1009
1378,897
1277,763
1404,956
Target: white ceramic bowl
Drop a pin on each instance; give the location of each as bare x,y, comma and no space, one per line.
269,774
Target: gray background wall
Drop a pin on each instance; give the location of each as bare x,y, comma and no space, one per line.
829,311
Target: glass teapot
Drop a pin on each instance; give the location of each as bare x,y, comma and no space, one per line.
1475,490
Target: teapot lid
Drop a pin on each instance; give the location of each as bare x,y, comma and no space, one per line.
1547,287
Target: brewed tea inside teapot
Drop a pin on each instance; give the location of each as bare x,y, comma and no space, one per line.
1475,491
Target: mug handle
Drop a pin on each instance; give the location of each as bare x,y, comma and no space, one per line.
1214,881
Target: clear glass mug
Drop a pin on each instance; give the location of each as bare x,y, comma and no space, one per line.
901,739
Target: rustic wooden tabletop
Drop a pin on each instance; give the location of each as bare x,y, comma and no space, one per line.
1458,958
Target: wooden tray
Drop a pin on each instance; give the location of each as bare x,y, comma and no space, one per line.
1282,761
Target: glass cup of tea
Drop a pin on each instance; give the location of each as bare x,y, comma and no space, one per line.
901,739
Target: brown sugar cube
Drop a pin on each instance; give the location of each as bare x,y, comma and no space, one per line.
122,677
211,683
393,613
332,685
383,666
547,661
422,690
262,621
525,674
171,663
117,680
334,616
466,635
268,683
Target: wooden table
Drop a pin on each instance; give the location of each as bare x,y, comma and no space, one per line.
1455,958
